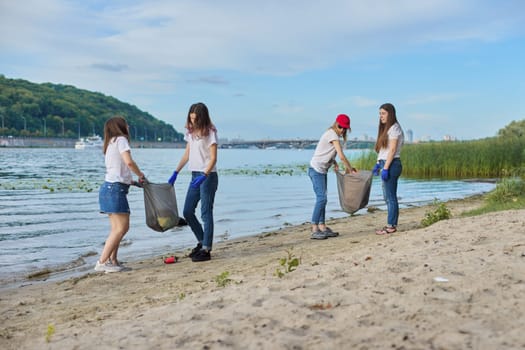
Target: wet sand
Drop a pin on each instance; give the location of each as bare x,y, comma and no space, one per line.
458,284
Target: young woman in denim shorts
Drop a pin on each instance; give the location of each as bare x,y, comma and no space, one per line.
324,157
201,157
113,192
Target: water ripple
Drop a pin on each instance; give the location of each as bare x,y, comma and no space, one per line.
50,220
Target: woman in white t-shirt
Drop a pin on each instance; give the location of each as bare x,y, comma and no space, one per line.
201,156
113,192
324,157
390,139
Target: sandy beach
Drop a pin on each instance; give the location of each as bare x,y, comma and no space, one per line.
458,284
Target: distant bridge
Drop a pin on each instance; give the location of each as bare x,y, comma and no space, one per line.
290,143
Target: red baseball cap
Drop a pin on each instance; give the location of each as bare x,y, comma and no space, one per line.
343,120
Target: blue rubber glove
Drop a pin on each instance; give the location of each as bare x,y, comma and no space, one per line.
197,181
173,177
384,174
375,171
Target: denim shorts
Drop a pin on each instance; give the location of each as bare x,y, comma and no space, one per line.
113,198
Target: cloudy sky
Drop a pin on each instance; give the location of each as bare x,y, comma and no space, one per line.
283,68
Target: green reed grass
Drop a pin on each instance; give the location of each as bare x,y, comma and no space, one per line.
486,158
365,161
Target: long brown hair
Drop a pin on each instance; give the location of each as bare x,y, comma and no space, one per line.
335,126
116,126
382,131
203,123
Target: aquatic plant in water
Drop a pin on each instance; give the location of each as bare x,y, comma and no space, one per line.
288,170
51,185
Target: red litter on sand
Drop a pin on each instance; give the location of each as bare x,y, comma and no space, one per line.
170,260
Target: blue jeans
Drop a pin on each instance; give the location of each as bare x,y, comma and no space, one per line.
319,182
390,190
206,195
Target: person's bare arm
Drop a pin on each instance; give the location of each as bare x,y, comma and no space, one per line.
126,157
341,155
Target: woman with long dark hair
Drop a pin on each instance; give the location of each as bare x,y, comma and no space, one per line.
390,139
201,156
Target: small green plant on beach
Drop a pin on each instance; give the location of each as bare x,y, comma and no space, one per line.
223,279
50,332
507,191
440,212
508,194
287,264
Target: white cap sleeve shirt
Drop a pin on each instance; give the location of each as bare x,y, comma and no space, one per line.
394,133
325,152
200,154
116,169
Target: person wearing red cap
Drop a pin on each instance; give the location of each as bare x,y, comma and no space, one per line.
324,157
390,139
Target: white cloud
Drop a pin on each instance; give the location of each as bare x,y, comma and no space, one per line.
435,98
361,101
270,36
211,79
289,108
137,50
110,67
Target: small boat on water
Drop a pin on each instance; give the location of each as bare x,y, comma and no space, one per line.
90,142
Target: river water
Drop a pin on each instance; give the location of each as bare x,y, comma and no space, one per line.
50,220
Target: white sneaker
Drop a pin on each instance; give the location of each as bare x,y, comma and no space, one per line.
121,265
107,267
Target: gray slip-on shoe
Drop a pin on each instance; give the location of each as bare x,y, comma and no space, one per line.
318,235
329,233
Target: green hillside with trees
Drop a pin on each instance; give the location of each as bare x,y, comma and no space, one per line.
55,110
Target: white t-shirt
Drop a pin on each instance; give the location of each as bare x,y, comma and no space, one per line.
200,154
324,155
395,132
116,169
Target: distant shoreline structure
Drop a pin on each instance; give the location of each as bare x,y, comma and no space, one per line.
49,142
58,142
93,141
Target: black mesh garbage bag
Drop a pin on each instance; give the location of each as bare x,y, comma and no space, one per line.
354,190
160,205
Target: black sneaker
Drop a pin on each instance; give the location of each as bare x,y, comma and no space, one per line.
201,255
195,250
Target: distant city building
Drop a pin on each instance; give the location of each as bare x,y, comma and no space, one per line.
410,136
365,137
